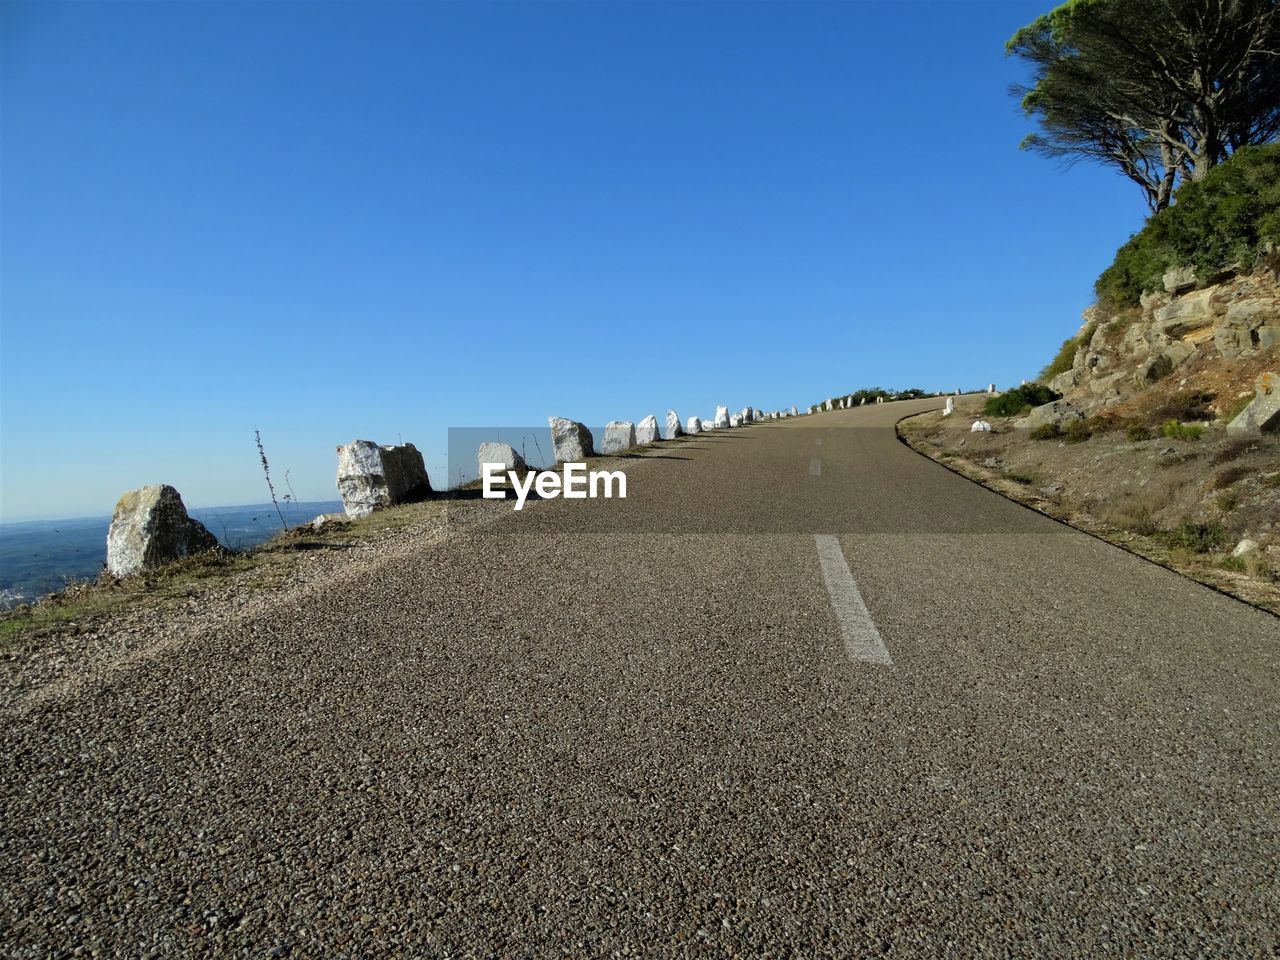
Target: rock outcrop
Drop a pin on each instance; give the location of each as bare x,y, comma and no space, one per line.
149,528
371,477
1056,413
1128,351
619,437
502,453
674,429
1263,411
571,442
647,430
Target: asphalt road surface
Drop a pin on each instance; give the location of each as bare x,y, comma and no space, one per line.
802,693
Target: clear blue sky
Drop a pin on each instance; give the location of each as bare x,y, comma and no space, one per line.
333,221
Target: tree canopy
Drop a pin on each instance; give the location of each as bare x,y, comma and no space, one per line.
1163,90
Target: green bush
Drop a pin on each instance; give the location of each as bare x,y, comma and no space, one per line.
1198,537
1015,401
1078,431
1221,220
1066,356
1046,431
1181,431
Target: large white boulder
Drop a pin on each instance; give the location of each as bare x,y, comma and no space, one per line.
745,415
502,453
371,476
722,417
980,426
735,419
619,436
693,425
950,408
794,411
647,430
150,527
673,425
570,440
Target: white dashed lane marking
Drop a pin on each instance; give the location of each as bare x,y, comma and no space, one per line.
862,641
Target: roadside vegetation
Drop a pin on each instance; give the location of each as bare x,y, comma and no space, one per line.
1181,494
1019,400
1066,354
268,566
1228,220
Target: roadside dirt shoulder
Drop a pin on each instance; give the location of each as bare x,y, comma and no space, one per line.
1183,503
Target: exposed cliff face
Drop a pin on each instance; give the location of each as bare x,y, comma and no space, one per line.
1237,318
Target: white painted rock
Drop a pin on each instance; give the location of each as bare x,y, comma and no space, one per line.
371,477
502,453
149,528
694,425
950,408
745,415
619,436
756,414
673,425
647,430
735,419
722,417
1245,547
980,426
570,440
991,389
794,412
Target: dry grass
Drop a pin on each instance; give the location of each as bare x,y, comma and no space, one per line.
261,568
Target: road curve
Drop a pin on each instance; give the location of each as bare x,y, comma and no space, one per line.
663,726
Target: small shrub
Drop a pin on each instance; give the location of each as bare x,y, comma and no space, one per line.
1046,431
1023,478
1181,431
1198,537
1228,477
1234,449
1078,431
1226,502
1251,564
1137,432
1192,407
1015,401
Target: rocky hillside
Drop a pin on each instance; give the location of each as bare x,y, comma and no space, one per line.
1207,340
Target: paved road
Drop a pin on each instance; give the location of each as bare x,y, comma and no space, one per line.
803,693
